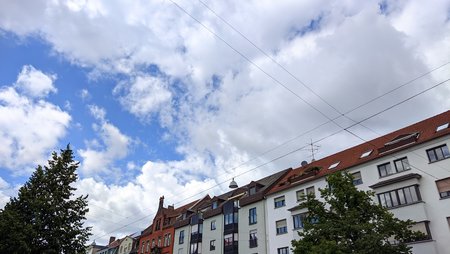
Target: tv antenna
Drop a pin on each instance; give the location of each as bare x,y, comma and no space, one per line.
313,149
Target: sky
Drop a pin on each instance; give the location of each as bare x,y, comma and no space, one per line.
174,98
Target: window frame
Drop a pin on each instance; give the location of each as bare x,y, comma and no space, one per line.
394,195
280,203
283,250
447,192
379,167
357,181
181,237
281,230
212,244
434,149
252,216
401,160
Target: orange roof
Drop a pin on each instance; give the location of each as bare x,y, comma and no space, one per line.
401,139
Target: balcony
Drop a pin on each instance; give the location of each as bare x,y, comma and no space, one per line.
196,237
253,243
231,228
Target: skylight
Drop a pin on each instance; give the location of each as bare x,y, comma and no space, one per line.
366,154
441,127
334,165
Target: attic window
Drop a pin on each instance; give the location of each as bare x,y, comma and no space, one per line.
441,127
334,165
366,154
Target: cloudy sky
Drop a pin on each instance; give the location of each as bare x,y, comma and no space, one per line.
174,97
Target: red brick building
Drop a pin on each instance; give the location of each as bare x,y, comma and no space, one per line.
158,237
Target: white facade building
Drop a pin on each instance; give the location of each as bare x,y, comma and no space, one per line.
409,170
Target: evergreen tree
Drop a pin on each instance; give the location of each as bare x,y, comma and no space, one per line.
45,217
350,222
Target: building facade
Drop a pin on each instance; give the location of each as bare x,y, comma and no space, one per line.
408,170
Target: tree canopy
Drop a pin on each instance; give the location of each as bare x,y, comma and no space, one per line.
45,217
348,221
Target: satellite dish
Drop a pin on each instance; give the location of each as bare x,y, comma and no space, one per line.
304,163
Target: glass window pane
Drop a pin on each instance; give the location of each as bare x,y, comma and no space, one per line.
439,154
445,151
401,197
394,198
414,195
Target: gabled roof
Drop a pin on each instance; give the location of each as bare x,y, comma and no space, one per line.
401,139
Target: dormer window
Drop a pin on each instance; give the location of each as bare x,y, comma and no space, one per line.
442,127
214,205
252,190
399,141
334,165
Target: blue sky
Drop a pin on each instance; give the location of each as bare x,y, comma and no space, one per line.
154,103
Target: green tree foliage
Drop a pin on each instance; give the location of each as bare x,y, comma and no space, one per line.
45,217
350,222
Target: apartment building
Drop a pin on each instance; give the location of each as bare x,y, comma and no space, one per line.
158,237
222,224
408,170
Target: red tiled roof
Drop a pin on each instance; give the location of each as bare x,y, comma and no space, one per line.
381,146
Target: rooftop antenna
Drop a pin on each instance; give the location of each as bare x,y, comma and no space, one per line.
313,148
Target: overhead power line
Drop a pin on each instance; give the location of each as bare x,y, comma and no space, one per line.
295,150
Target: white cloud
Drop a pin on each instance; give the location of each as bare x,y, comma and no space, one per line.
144,95
35,83
29,128
213,103
84,94
99,157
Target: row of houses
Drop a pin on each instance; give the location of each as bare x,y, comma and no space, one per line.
408,169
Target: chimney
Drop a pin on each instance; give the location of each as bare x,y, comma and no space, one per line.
171,207
161,202
112,239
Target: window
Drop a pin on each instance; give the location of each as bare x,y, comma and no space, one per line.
281,227
441,127
153,243
196,248
253,239
334,165
228,240
148,245
310,191
438,153
422,227
298,220
252,216
403,196
252,190
213,225
236,203
143,247
159,241
214,205
181,237
158,224
402,165
284,250
180,251
168,239
212,245
230,218
365,154
385,169
448,221
300,195
357,179
280,202
444,187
